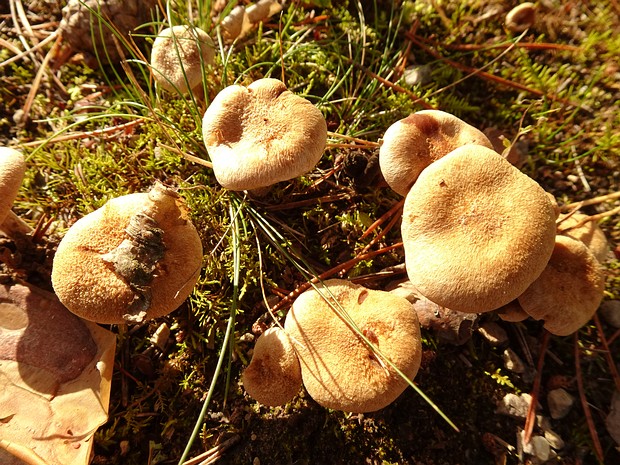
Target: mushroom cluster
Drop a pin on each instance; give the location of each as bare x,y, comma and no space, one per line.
341,368
242,19
479,235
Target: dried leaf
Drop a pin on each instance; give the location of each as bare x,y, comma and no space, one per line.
55,374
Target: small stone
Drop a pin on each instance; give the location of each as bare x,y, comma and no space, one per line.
513,362
554,439
560,402
514,405
538,447
613,418
493,333
414,75
610,312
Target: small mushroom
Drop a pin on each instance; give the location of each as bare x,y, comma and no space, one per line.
413,143
262,10
588,232
338,368
235,24
476,231
179,56
521,17
262,134
12,171
568,291
137,257
273,377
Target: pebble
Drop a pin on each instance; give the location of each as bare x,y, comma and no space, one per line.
513,362
610,312
613,418
560,403
538,447
514,405
493,333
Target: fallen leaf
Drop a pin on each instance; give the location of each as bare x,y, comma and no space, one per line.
55,375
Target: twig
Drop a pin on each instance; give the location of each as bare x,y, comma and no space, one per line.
363,142
530,418
592,201
312,201
84,135
327,274
587,219
214,453
21,54
598,449
608,356
397,206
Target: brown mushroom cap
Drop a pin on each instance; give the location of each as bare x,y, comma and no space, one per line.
262,134
413,143
179,56
273,377
12,170
476,231
338,369
568,291
137,257
589,233
521,17
512,312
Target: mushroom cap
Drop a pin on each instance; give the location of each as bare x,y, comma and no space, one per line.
338,369
12,171
512,312
568,291
589,233
262,134
235,24
263,9
413,143
179,56
273,377
521,17
137,257
476,231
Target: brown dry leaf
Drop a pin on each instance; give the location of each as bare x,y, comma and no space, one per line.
55,375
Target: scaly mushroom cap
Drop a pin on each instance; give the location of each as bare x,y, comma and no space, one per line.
137,257
568,291
413,143
589,233
273,377
179,55
262,134
476,231
338,369
12,170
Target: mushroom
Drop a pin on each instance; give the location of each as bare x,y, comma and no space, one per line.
137,257
587,232
521,17
235,24
338,368
512,312
568,291
179,56
262,134
12,171
476,231
262,10
273,377
413,143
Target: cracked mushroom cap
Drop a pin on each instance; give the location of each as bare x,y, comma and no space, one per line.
136,258
413,143
12,171
589,233
273,377
179,55
476,231
262,134
570,289
338,368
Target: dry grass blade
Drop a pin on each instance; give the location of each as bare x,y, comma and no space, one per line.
530,419
608,355
213,454
598,449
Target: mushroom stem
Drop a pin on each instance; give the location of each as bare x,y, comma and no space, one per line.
13,226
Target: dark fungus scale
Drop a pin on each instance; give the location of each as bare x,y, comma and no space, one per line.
135,260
